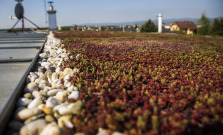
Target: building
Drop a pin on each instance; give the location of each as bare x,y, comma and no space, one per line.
185,26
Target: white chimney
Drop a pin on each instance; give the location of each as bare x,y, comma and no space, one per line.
159,23
52,18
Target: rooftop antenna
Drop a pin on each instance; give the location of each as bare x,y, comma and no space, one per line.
19,13
51,5
45,11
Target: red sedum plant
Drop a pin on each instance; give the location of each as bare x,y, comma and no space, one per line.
138,83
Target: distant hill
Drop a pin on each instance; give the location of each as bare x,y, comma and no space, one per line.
166,21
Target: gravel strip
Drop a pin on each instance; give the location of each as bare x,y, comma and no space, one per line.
43,108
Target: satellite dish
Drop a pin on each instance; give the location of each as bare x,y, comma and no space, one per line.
19,11
19,0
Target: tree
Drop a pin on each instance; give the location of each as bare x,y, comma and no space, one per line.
204,23
217,27
149,26
75,26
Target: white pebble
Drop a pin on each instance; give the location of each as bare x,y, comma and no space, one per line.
117,133
76,70
53,92
27,113
42,86
72,88
72,108
30,87
23,102
67,83
68,77
35,103
52,102
67,71
36,94
65,121
59,51
33,118
55,76
78,56
62,109
74,95
31,77
43,55
33,74
46,89
75,107
42,76
56,84
52,53
61,96
51,129
49,76
41,106
46,64
58,69
33,128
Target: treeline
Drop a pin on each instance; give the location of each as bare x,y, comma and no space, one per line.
206,28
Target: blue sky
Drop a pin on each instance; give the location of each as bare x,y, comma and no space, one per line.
71,12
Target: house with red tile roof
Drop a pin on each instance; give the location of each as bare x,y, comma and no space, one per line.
185,26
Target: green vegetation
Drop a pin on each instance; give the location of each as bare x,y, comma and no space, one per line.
149,26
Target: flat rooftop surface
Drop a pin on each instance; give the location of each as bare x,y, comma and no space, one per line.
11,73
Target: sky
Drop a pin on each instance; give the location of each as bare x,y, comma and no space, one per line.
70,12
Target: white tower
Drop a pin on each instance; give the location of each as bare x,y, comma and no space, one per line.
52,18
123,28
159,23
